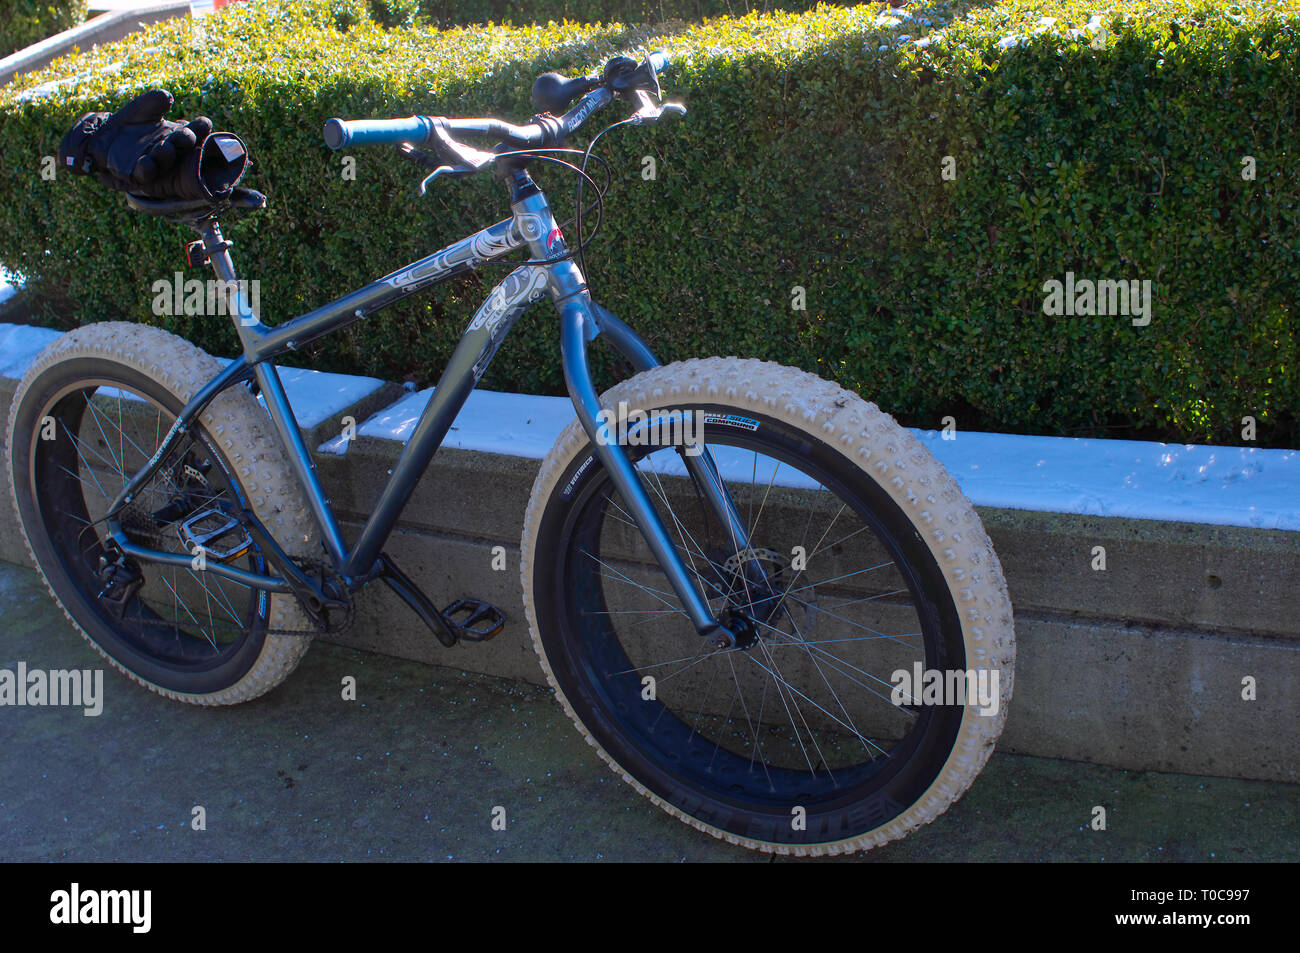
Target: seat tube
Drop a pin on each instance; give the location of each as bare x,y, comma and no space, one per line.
249,327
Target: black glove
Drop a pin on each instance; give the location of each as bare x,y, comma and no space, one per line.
136,150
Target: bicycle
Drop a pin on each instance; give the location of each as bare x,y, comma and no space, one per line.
730,568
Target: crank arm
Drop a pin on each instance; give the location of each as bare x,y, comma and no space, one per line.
300,584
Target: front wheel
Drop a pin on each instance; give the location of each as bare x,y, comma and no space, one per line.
877,675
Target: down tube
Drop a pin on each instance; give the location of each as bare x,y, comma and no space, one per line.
479,344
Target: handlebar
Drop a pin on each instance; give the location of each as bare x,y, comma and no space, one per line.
620,77
422,129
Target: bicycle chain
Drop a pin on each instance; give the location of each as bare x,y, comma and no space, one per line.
320,628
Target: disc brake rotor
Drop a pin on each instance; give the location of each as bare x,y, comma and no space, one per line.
800,607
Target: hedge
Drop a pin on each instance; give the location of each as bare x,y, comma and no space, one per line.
813,158
445,14
448,13
24,22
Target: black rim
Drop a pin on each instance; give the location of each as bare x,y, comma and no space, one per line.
785,745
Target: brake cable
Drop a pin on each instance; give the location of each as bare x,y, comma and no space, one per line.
579,250
586,157
576,220
551,155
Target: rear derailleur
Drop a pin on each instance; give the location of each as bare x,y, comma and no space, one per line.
120,579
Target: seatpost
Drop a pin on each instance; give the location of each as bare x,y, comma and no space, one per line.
216,249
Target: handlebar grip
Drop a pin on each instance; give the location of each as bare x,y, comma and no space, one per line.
383,132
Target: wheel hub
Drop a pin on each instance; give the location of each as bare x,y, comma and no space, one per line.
758,582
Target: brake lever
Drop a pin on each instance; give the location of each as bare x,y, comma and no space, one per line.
426,161
651,111
466,160
442,170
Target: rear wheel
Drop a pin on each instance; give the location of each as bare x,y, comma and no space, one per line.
91,410
818,734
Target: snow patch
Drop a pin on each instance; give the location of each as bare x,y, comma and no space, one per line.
519,425
315,396
1237,486
19,345
1234,486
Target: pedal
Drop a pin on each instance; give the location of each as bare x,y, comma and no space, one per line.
208,528
474,620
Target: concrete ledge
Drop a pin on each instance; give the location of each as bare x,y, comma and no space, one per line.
97,31
1139,666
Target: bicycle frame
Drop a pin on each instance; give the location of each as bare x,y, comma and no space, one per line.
531,226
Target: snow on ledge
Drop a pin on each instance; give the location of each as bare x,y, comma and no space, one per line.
1188,483
1232,486
19,346
519,425
314,395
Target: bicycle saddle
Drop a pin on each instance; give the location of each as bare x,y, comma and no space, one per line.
194,210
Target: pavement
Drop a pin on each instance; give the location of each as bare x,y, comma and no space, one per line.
415,767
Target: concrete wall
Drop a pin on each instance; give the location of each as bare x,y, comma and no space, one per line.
1140,666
